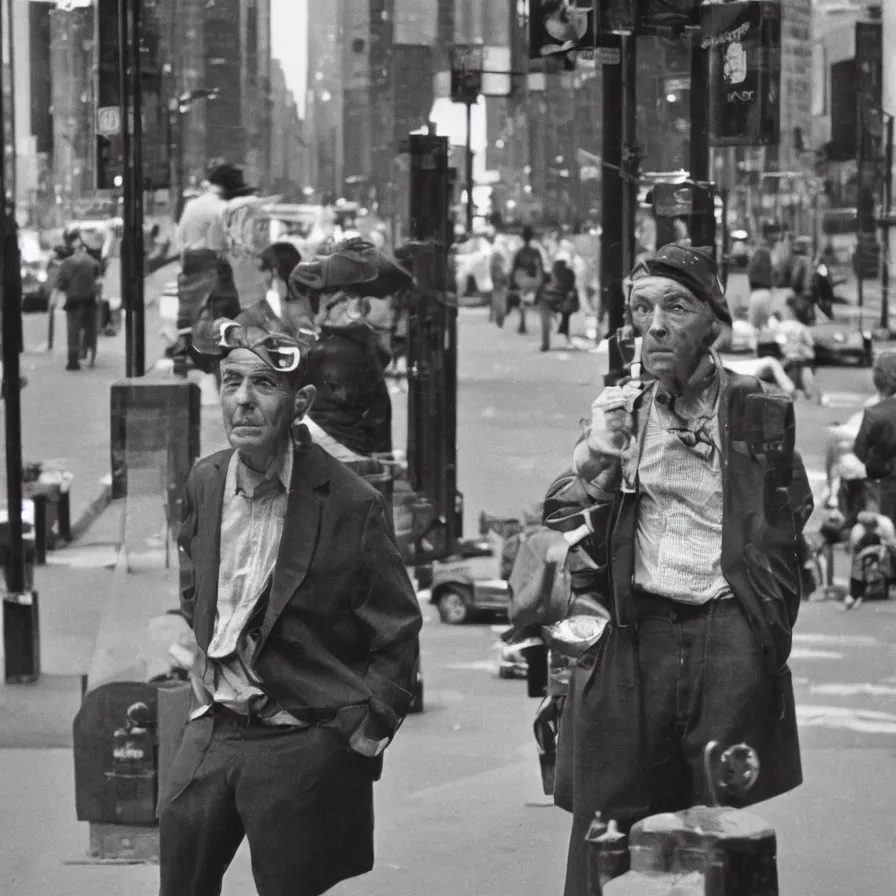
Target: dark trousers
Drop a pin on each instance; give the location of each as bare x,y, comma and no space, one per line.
702,679
81,326
301,797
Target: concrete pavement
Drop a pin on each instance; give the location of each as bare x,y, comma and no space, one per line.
459,809
65,415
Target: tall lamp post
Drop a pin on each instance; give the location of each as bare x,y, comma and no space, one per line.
178,106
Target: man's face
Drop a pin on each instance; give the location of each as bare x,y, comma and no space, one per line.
258,404
676,326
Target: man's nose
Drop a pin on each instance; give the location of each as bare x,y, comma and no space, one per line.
244,393
658,323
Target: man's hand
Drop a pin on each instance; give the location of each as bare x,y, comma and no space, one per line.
598,458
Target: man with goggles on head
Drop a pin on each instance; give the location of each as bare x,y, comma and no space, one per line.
306,627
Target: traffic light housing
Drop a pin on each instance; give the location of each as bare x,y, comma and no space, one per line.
109,146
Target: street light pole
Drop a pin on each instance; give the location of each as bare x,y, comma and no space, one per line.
469,167
885,216
20,635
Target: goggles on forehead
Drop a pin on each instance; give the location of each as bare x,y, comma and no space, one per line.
280,352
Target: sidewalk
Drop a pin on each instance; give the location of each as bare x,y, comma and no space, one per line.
65,416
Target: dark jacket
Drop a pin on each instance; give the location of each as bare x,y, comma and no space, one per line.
339,638
759,560
78,278
876,448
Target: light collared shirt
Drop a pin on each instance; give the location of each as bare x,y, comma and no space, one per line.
678,540
202,224
253,513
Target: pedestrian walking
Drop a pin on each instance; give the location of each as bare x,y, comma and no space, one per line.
500,282
699,557
802,299
761,277
78,279
875,444
557,296
527,274
307,641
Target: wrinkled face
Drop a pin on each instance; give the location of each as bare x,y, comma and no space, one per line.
258,404
676,326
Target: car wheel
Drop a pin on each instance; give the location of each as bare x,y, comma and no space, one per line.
453,608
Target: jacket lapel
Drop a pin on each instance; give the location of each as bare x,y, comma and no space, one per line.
301,530
207,592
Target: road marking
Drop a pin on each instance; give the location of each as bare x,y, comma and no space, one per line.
862,721
841,640
864,689
475,666
845,399
811,653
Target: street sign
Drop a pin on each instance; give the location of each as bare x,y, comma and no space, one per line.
466,74
108,120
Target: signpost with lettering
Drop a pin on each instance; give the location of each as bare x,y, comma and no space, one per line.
743,40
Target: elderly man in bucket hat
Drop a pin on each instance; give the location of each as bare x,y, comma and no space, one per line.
306,630
696,498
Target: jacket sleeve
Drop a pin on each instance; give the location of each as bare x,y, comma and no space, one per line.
390,615
185,535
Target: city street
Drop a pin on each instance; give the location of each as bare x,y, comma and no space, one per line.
460,810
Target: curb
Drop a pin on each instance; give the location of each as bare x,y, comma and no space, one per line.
92,513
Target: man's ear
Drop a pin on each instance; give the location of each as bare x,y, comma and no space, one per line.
304,401
715,330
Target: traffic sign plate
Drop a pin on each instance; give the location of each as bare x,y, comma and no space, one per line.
108,120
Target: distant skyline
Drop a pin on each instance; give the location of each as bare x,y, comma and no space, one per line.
289,44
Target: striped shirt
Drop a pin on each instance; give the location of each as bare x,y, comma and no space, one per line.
252,519
678,542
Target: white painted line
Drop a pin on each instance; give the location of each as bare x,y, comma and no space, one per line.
862,721
863,689
840,640
810,653
476,666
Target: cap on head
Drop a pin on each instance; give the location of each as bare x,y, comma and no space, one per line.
693,268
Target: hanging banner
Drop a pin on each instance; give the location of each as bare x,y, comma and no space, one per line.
561,29
744,44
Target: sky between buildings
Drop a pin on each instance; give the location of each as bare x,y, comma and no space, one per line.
289,43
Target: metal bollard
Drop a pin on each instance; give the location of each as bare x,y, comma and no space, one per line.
608,854
40,529
703,851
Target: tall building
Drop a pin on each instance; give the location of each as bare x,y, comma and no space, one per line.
287,176
323,104
71,65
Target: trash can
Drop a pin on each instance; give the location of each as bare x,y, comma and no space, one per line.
55,487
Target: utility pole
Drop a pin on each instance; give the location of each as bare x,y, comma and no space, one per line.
885,217
613,190
468,160
699,152
132,250
20,627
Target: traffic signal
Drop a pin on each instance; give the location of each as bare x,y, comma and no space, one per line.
109,144
466,74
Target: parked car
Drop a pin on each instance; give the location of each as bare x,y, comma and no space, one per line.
464,589
739,253
35,268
